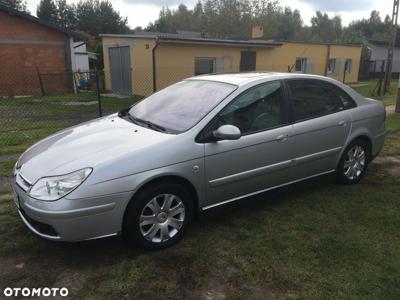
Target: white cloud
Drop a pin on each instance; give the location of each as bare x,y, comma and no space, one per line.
160,2
340,5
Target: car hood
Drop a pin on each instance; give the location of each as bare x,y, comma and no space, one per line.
86,145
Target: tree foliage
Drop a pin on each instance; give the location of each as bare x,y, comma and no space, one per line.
90,16
214,18
16,4
235,18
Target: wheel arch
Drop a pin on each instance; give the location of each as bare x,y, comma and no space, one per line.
168,178
362,136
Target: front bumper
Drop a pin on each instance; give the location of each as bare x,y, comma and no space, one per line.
72,220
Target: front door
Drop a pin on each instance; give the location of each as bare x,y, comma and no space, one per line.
261,157
120,70
247,61
321,126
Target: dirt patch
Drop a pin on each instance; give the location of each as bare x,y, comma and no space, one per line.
72,280
390,164
5,185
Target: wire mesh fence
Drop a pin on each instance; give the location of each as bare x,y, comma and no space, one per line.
34,105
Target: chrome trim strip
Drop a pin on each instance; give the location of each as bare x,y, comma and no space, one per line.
24,179
22,182
249,173
316,156
265,190
273,167
49,237
101,236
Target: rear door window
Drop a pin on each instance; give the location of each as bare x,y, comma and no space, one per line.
316,98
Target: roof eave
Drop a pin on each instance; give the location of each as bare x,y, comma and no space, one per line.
219,43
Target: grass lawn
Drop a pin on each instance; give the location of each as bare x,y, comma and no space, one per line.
315,240
368,89
25,120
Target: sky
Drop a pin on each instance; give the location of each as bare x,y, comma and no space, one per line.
142,12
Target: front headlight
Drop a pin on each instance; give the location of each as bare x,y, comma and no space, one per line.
56,187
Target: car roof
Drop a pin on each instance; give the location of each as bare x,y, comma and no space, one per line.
248,77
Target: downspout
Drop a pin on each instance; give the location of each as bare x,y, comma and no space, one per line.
327,60
153,53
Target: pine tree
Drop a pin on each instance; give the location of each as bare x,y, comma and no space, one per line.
47,10
15,4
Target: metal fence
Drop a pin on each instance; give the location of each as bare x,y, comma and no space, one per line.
34,104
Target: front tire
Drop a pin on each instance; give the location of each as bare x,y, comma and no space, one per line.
354,162
158,216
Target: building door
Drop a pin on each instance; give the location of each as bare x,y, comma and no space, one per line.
120,70
247,61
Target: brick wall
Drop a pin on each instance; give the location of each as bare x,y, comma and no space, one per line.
12,27
25,48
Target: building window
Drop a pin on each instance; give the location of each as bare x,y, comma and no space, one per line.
204,65
301,64
347,65
331,65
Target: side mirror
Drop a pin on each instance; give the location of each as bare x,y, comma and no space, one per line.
227,132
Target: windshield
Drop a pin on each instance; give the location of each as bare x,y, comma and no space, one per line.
181,105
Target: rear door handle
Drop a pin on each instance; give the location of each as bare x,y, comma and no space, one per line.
282,138
342,124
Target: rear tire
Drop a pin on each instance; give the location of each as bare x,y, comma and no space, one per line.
354,162
158,216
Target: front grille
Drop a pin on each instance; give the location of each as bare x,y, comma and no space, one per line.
39,226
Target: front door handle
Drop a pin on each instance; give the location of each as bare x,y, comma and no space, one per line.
342,124
281,138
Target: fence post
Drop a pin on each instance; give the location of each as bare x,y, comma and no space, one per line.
98,92
40,81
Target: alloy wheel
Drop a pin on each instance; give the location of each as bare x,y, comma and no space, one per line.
162,218
355,162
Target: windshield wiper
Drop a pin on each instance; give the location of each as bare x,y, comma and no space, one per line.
147,123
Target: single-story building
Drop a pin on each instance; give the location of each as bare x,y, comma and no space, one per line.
30,46
379,55
144,62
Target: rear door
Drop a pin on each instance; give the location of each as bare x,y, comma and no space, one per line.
261,157
321,126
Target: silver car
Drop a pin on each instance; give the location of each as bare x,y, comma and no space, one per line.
197,144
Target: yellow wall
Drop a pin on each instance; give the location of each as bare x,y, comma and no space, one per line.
175,62
343,53
141,62
285,56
